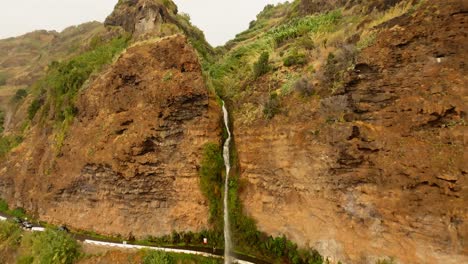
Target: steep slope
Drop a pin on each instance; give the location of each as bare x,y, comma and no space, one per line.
352,141
117,148
132,152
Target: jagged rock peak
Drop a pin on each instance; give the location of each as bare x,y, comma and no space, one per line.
142,17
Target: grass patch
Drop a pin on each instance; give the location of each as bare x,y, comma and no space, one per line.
160,257
298,27
17,212
7,143
38,247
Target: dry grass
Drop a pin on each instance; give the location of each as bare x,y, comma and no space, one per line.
396,11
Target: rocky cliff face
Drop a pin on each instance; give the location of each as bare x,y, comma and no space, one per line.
390,178
130,160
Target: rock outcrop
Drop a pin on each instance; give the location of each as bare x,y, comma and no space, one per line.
142,17
129,163
390,179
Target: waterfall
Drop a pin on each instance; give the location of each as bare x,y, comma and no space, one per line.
227,164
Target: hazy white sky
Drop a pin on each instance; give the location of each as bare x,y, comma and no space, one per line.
221,20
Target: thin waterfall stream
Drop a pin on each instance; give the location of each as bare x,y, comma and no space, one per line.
227,164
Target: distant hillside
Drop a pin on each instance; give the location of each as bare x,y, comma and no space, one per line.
25,58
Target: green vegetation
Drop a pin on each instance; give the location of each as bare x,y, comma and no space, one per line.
3,78
52,246
386,261
212,181
56,92
9,142
160,257
64,79
17,212
295,58
197,39
272,106
261,66
19,95
301,26
157,257
34,107
10,235
38,247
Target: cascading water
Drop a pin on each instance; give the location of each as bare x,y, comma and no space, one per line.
227,164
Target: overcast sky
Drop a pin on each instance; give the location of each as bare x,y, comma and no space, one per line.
221,20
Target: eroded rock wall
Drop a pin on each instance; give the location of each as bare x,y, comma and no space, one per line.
129,163
388,180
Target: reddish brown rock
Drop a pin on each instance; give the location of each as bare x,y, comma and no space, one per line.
390,179
130,160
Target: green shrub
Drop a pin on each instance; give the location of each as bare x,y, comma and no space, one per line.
271,106
34,107
295,58
10,236
7,143
20,94
157,257
3,206
54,247
261,66
18,212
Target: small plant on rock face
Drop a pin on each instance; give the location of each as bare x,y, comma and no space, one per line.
261,66
272,106
20,94
167,77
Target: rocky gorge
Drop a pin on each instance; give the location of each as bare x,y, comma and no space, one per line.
350,140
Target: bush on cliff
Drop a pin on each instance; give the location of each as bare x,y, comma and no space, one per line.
261,66
211,181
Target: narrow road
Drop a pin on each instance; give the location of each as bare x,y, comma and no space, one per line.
206,252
